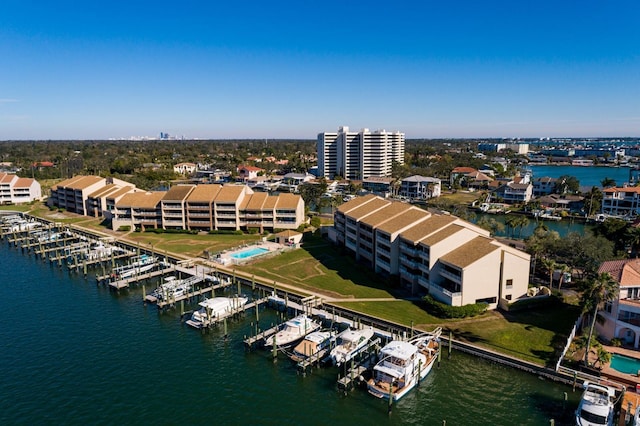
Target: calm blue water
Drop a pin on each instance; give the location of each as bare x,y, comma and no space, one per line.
249,253
562,227
75,353
624,364
588,176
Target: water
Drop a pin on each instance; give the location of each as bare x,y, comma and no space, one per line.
624,364
249,253
587,176
562,227
76,353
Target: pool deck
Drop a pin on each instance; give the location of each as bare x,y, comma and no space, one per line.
630,380
226,257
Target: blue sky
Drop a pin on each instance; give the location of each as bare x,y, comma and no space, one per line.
285,69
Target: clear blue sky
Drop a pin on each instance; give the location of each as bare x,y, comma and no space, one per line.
291,69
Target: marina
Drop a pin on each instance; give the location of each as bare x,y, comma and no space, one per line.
350,374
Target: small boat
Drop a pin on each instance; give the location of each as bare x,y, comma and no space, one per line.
139,265
173,288
313,344
596,405
215,309
292,331
349,343
403,365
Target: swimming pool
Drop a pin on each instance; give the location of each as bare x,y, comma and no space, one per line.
244,254
625,364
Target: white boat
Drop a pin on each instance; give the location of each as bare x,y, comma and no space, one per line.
403,365
215,309
349,343
292,331
596,405
173,288
141,264
313,344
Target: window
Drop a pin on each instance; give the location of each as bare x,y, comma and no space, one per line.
508,297
510,283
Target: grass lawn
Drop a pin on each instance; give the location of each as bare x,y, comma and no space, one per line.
402,312
535,336
16,207
319,266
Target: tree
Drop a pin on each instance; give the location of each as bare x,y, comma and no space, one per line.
602,356
567,184
563,270
550,266
592,201
632,238
608,182
598,290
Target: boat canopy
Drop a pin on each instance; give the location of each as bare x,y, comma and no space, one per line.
399,349
390,371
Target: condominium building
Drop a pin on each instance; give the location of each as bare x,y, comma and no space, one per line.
455,261
73,194
420,187
210,207
17,190
359,155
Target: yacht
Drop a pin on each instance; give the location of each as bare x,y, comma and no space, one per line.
403,364
292,331
349,343
596,405
173,288
215,309
139,265
313,345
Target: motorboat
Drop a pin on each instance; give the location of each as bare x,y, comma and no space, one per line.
349,343
291,331
403,364
215,309
173,288
139,265
596,406
313,345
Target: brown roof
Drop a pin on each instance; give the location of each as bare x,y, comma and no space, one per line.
79,182
204,193
287,201
178,193
256,201
470,252
23,183
397,223
5,177
386,213
463,170
368,208
229,193
270,202
144,200
626,272
122,191
427,227
288,233
104,190
442,234
355,203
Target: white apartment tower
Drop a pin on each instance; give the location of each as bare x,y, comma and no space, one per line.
359,155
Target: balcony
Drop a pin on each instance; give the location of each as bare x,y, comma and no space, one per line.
408,262
451,276
440,293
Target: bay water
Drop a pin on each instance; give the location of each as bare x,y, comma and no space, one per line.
75,353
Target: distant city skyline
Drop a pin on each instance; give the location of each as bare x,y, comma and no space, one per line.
289,70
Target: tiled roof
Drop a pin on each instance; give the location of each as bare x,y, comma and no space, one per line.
79,182
614,190
143,200
427,227
470,252
287,201
204,193
411,216
367,209
626,271
355,203
23,183
256,201
386,213
229,193
104,190
463,170
178,193
441,234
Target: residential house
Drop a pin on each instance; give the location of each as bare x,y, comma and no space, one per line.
185,168
248,172
623,201
420,187
17,190
514,193
382,186
544,186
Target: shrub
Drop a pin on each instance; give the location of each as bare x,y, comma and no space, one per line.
443,310
315,222
536,303
225,232
615,342
125,228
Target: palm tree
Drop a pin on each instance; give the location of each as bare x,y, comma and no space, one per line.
600,289
632,236
563,270
602,356
549,265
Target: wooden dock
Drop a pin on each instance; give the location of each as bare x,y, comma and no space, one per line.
353,377
124,283
263,335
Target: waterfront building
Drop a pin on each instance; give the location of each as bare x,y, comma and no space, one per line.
17,190
291,181
453,260
359,155
469,177
420,187
623,201
514,193
518,148
73,194
248,172
209,207
622,316
101,202
544,186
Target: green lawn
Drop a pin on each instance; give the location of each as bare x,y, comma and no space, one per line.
402,312
17,207
319,266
